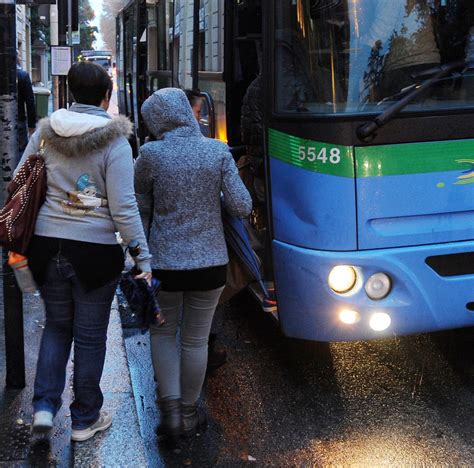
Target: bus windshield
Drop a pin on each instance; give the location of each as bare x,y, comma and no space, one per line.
360,56
104,61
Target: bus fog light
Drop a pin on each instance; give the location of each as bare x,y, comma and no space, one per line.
349,317
378,286
380,321
342,278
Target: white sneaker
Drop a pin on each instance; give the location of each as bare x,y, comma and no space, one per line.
103,423
42,421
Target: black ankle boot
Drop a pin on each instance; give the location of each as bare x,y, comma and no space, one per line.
170,424
216,357
194,420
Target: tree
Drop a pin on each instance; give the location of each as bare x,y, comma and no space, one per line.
86,15
110,9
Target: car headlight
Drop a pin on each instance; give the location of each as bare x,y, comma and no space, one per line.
378,286
342,278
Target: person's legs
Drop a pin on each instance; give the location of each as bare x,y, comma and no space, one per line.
165,358
199,308
57,338
91,319
164,350
22,138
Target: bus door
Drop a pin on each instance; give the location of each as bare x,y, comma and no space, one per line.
120,54
243,60
129,40
159,24
139,67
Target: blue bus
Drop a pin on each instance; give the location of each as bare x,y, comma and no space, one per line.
367,163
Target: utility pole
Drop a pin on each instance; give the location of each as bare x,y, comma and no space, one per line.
69,37
12,298
53,13
62,28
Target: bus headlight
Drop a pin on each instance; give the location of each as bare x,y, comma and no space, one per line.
342,278
349,317
380,321
378,286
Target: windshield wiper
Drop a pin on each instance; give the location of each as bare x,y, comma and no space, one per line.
367,129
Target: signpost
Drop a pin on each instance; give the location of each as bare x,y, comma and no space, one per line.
12,297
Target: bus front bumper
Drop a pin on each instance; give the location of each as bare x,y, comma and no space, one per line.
420,299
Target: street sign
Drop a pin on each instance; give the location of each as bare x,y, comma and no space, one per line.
76,37
60,60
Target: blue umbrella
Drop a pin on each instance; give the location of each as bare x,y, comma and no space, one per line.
238,239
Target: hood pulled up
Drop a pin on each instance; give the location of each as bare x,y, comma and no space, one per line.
75,134
167,112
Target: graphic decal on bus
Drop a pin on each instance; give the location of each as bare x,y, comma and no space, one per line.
467,177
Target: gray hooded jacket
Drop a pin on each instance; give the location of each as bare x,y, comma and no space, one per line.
179,180
90,193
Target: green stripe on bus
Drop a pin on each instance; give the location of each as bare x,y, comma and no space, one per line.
372,161
311,155
414,158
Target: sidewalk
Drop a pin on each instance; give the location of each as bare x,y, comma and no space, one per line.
121,445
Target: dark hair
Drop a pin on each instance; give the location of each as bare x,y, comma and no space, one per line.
192,96
89,83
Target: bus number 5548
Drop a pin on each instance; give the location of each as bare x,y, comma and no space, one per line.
310,154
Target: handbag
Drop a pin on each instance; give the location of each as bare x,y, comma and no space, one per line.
26,193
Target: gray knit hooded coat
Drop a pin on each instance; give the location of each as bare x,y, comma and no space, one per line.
179,179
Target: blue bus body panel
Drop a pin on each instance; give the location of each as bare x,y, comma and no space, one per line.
312,210
413,209
420,299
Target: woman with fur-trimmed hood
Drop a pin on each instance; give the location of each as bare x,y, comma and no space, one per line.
74,255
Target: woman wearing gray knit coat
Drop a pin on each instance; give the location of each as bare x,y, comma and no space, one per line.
179,180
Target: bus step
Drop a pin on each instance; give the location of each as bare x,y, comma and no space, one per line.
257,292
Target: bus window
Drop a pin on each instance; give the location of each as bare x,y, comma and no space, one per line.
350,57
160,18
211,43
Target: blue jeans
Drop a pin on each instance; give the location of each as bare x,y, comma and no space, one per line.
72,314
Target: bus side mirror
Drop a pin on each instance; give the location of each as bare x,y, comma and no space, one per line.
207,119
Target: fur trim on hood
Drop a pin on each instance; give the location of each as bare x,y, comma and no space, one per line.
92,140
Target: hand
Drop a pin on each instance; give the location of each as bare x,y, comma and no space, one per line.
146,275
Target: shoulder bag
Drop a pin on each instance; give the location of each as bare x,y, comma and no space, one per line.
26,194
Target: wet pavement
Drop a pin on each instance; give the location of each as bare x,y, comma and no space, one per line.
277,402
280,402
